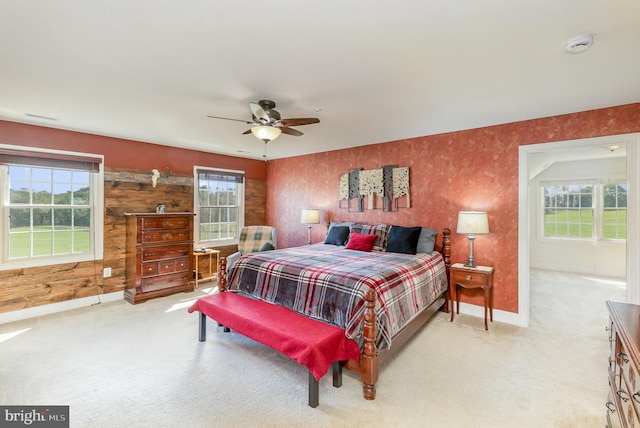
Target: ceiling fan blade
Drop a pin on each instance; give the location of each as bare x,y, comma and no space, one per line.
258,112
248,131
291,131
226,118
300,121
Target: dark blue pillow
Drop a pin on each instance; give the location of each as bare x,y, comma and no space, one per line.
337,235
267,247
403,239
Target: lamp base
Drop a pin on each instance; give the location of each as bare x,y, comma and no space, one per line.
470,261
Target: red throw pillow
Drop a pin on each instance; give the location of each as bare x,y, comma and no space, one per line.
359,241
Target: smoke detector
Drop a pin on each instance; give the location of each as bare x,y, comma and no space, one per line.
579,44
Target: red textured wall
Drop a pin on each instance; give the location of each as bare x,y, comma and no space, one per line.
473,169
126,154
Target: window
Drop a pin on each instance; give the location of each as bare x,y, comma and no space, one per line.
614,218
51,208
568,211
585,210
219,205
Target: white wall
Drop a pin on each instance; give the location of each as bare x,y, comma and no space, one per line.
606,258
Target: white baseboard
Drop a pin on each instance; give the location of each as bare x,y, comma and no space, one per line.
498,315
59,307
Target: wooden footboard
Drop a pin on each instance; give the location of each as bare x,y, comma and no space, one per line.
370,358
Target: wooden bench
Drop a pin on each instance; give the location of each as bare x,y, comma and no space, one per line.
300,338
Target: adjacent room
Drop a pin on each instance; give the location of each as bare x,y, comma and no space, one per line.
220,214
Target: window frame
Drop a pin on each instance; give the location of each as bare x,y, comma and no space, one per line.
58,160
214,243
597,221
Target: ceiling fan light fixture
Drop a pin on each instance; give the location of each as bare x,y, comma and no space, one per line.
266,133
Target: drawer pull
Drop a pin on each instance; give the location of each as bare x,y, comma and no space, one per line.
468,277
623,357
611,406
623,395
636,396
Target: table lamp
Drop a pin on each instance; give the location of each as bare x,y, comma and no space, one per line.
472,223
310,217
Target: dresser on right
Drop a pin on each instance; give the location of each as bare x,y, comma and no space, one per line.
623,402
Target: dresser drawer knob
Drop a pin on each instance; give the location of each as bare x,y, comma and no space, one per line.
623,395
611,406
623,357
468,277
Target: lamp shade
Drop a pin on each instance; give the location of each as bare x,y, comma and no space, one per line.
473,222
310,217
266,133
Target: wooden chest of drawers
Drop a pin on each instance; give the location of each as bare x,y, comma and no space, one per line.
159,260
623,401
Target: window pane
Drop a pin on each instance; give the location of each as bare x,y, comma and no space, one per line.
62,219
19,245
42,218
62,242
42,243
81,240
19,219
62,194
19,192
82,217
19,173
42,175
61,176
81,178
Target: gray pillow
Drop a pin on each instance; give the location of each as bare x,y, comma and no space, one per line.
340,223
427,240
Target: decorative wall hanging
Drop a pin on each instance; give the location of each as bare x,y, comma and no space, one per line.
354,189
385,184
387,178
371,184
401,184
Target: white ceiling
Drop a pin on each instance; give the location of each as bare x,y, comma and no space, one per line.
152,70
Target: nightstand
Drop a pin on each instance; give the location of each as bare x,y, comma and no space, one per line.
209,253
467,277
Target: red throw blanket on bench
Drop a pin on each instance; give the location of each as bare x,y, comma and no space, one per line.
312,343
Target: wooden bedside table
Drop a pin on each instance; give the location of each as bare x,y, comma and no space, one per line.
208,253
477,277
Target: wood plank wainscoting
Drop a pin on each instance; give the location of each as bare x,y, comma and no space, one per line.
125,190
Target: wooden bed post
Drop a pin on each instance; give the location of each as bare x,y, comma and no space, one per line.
222,275
369,357
446,247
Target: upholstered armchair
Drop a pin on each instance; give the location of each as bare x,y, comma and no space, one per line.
252,239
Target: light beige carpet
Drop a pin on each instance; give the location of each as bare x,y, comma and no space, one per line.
120,365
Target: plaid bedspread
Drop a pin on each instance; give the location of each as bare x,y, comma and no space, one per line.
329,283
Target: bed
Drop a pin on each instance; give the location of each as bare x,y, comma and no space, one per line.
380,298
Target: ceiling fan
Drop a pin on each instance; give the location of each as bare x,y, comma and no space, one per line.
267,124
